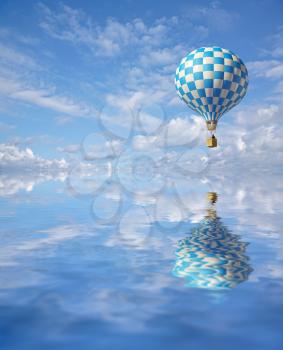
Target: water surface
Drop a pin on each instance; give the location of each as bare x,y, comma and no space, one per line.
117,269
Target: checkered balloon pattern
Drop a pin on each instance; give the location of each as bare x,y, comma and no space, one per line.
211,81
212,257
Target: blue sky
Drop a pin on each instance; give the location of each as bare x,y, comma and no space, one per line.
62,62
75,77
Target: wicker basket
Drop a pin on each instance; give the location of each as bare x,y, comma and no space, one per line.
211,142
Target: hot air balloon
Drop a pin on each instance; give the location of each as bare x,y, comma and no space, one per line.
212,257
211,81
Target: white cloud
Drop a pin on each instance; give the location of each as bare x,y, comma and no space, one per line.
252,138
142,142
96,146
46,99
85,178
17,89
7,33
28,140
278,51
21,79
178,131
50,236
9,56
70,149
214,16
183,131
123,102
139,91
13,182
145,46
162,56
13,158
74,26
22,170
272,69
247,141
276,42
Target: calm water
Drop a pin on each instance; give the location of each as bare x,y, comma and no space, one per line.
122,269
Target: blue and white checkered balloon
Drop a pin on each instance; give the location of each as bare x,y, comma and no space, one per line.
211,81
212,257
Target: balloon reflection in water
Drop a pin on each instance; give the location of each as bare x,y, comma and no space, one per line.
212,257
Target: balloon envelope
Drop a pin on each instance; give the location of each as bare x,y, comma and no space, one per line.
212,257
211,81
